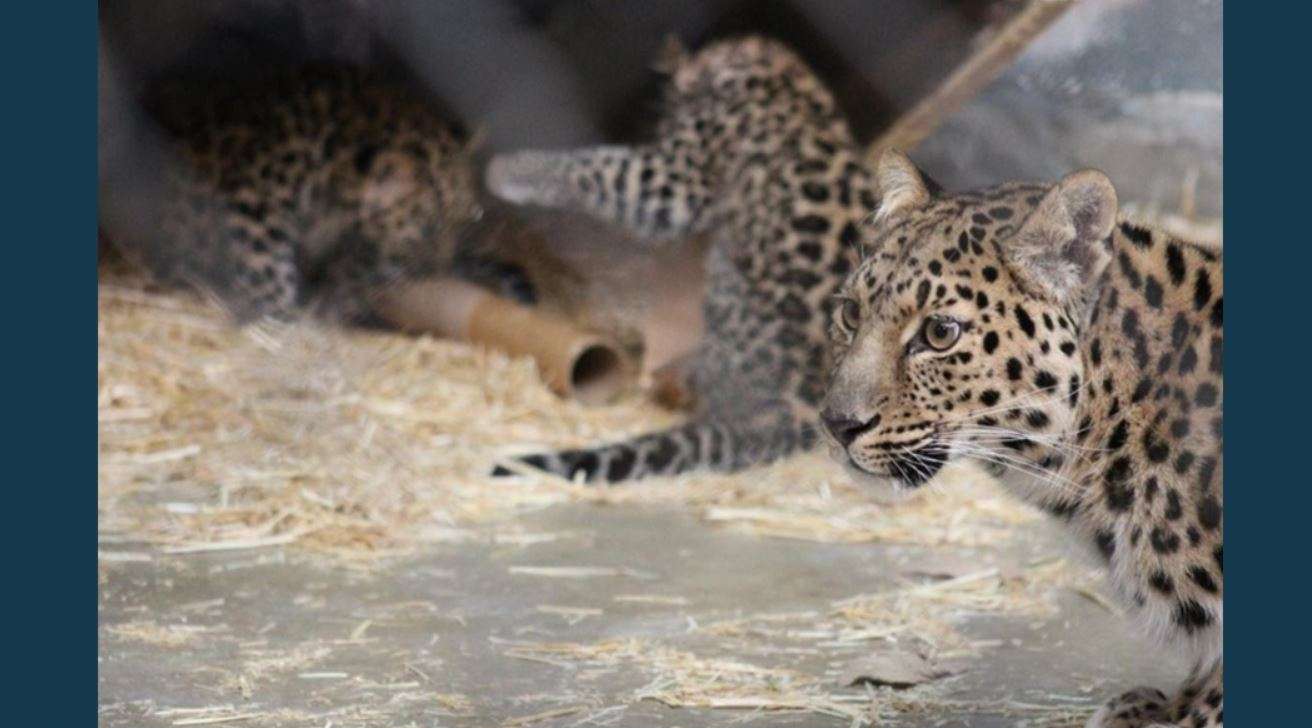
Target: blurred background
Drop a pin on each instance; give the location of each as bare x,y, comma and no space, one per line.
1130,86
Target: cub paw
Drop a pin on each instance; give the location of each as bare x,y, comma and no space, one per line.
527,177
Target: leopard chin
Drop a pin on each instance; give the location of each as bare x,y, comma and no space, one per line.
882,488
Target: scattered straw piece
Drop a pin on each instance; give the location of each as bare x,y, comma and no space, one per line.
544,715
652,599
124,556
453,702
236,544
565,572
160,635
357,634
572,615
218,719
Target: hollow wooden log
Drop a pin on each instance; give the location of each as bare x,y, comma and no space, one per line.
574,362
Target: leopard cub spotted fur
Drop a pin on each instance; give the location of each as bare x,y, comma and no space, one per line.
753,151
306,185
1079,356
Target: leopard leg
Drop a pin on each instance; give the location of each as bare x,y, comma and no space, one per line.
226,245
1138,708
248,262
347,279
654,192
1201,700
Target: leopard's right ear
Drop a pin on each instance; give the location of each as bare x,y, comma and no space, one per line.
672,55
902,187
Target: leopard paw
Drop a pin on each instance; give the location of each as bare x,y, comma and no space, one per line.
1138,708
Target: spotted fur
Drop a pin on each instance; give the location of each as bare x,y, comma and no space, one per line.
1086,369
751,149
310,185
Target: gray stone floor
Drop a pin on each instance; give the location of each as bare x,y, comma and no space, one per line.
288,639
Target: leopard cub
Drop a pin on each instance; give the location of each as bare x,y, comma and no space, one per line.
752,151
310,185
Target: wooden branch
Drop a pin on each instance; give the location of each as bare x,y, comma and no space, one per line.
969,78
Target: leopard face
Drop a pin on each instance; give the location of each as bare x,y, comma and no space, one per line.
949,343
420,200
743,94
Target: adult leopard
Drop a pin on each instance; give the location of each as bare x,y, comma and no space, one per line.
1079,355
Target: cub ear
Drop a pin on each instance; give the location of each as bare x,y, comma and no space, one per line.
671,56
1062,245
475,142
902,187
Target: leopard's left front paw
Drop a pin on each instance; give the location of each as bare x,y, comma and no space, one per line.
1138,708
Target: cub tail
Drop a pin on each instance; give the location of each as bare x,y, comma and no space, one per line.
700,444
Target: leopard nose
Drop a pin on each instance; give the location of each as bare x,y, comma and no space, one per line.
845,429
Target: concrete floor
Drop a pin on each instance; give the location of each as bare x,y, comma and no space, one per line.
285,638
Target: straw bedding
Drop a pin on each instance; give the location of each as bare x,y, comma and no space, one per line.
365,443
361,445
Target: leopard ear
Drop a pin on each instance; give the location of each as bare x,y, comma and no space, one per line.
902,187
671,56
1062,246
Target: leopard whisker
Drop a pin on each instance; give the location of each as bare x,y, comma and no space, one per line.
1063,483
1049,396
1056,442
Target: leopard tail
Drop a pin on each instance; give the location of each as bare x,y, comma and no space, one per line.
700,444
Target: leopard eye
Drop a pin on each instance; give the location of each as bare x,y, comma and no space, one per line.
850,311
940,333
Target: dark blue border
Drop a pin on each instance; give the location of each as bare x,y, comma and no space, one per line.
50,195
1267,424
48,59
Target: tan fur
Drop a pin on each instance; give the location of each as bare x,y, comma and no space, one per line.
1087,374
